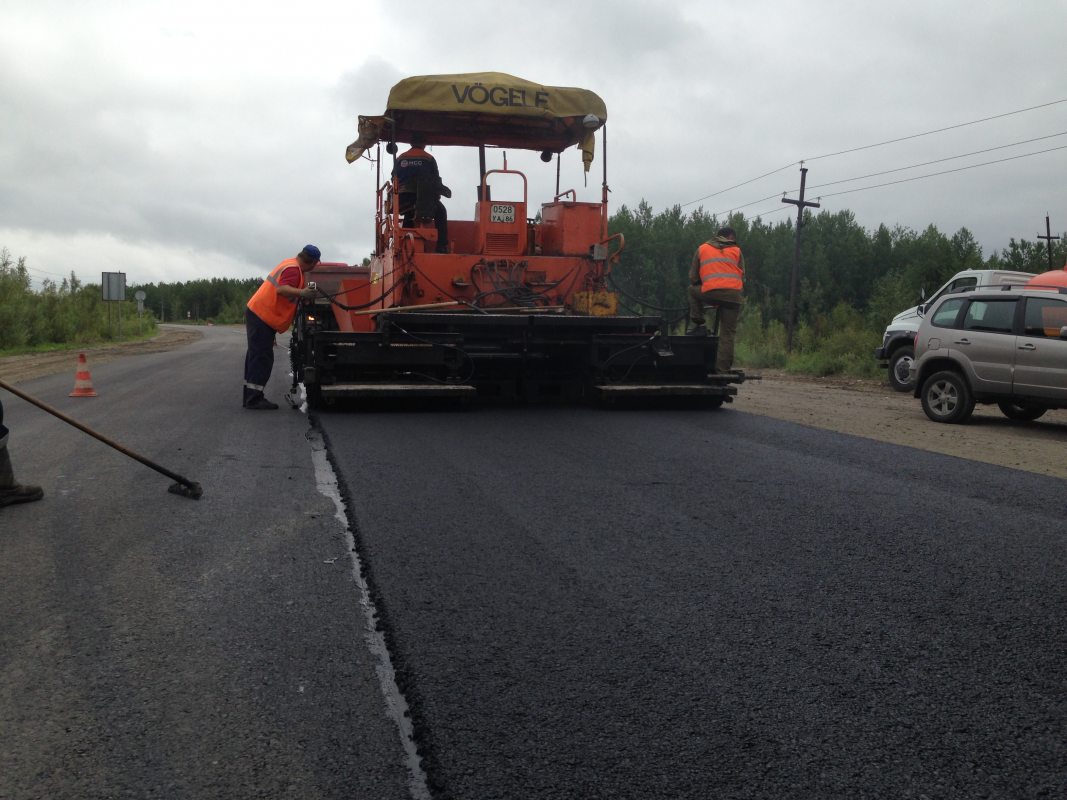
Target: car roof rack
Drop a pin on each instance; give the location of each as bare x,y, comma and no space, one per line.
1059,289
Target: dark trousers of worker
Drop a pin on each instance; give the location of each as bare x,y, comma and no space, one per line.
259,360
440,219
728,314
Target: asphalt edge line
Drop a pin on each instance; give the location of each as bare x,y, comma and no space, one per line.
397,708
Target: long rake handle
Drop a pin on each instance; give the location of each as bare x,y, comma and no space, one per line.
174,476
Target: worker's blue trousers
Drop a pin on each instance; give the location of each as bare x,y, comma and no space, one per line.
259,360
3,430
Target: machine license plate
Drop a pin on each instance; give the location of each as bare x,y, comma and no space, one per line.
501,213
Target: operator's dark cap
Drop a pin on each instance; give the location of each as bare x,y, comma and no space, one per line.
312,252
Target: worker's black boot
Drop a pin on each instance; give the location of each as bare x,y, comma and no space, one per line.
699,330
262,404
11,491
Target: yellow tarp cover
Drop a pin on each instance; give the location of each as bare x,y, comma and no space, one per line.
488,108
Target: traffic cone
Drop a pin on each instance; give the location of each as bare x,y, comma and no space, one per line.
83,384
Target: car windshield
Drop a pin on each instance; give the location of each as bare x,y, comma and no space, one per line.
994,316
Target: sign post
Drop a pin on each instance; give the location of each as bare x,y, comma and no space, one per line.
113,286
140,309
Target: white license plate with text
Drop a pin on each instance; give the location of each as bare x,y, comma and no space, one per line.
499,212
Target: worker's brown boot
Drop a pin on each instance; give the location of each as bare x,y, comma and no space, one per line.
10,490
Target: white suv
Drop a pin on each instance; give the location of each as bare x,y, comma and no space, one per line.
1007,347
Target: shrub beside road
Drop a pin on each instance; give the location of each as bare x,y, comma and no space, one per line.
57,314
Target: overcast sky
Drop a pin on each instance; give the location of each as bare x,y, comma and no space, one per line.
177,140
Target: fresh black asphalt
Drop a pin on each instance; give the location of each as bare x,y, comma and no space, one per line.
156,647
650,604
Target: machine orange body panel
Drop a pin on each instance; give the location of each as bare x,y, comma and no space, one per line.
570,228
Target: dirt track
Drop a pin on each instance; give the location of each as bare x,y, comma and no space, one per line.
36,365
871,409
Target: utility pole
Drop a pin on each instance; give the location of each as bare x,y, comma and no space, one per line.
1048,237
801,204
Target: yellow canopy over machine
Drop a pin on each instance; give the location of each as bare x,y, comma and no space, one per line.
485,108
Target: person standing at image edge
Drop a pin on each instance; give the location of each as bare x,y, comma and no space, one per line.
717,277
271,310
11,491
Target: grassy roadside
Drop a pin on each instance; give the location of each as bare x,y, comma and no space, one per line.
52,347
839,343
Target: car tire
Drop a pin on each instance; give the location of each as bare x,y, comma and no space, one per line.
899,364
1020,412
947,398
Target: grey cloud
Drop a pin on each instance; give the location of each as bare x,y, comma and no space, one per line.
700,96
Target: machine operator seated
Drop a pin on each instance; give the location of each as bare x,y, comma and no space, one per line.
421,189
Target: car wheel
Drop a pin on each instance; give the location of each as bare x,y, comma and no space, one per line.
899,365
946,397
1021,413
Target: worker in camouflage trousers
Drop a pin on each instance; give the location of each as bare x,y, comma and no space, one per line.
717,277
11,491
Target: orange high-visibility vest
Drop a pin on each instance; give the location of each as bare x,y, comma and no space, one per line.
719,269
271,307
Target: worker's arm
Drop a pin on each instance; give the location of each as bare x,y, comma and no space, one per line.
293,293
741,263
694,269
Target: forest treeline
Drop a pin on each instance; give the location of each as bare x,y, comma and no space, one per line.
853,280
218,300
58,313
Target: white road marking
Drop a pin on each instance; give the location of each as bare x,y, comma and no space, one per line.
395,703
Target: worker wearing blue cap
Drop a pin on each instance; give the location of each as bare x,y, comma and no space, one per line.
271,310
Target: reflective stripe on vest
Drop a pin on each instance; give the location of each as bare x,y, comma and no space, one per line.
719,269
271,307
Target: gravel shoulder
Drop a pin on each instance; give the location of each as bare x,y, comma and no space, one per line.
39,365
871,409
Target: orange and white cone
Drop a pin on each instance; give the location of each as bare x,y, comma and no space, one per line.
83,384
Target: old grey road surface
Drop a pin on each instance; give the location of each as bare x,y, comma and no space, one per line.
587,604
153,646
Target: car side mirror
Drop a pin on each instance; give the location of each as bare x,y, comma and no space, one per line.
1063,332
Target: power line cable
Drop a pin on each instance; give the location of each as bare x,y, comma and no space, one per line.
47,272
879,144
936,161
946,172
939,130
735,186
746,217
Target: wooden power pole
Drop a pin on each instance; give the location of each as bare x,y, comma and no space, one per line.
801,204
1048,237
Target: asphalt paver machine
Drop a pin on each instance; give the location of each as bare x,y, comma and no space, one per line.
518,308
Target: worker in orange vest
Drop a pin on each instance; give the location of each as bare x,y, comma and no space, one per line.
271,310
716,277
417,165
11,491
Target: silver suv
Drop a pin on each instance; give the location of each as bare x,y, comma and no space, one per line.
1006,345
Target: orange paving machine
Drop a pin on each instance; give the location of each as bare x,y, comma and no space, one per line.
515,305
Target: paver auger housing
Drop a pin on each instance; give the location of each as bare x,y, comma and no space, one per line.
519,307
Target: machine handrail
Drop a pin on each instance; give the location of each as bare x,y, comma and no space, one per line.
525,186
571,192
622,246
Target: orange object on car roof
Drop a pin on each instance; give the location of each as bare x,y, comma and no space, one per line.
1055,279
